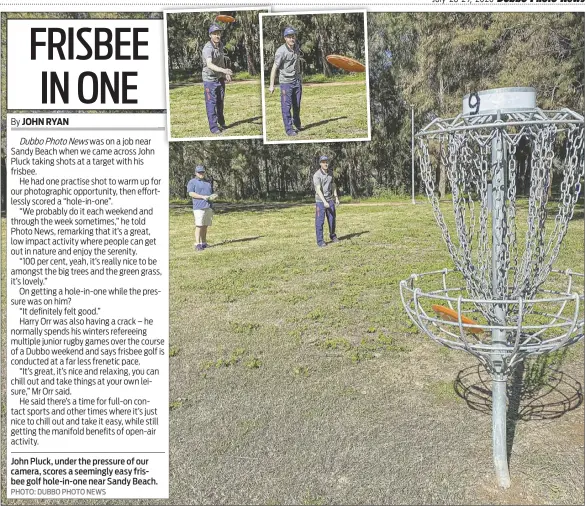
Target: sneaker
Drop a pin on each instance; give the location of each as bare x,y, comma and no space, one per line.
292,133
298,128
223,127
199,247
216,132
204,245
334,239
321,244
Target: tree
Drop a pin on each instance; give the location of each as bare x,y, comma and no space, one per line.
430,60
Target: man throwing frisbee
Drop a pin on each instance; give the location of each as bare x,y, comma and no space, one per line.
215,75
201,191
325,201
287,63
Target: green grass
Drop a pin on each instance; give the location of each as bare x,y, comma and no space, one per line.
244,76
344,397
320,78
296,376
242,111
337,78
175,404
443,392
328,111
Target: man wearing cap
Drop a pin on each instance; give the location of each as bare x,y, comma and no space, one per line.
287,63
201,191
215,75
325,194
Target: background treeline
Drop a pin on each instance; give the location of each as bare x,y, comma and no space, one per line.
430,60
317,36
188,32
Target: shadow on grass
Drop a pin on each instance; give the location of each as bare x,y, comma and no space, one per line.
351,236
182,84
536,390
260,207
248,120
197,82
178,209
322,122
232,241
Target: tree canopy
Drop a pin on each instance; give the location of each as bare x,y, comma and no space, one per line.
429,60
187,33
318,36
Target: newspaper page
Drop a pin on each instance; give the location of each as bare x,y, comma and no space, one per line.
267,253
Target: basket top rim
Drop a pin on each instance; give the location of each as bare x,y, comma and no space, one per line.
520,89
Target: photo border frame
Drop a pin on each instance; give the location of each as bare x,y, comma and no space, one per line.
310,141
166,61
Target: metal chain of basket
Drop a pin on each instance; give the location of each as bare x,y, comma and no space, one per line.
467,156
503,247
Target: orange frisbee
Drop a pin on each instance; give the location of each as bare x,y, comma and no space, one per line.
345,63
225,18
450,314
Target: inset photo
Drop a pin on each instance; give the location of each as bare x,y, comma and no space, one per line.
213,74
315,77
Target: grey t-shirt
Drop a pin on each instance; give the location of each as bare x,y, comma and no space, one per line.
216,55
325,182
288,64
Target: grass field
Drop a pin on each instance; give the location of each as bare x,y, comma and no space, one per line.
296,377
242,111
328,111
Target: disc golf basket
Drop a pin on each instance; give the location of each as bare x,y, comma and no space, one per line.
503,301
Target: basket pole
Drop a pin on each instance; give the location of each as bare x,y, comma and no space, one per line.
498,193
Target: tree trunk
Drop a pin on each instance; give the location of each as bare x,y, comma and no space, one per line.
257,181
351,173
182,191
281,184
249,51
324,53
266,176
442,180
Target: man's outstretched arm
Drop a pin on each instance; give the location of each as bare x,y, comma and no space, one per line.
228,72
334,186
272,78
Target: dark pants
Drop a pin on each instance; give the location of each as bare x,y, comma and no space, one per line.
320,213
290,98
214,97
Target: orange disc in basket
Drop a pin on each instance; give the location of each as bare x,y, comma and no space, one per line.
224,18
450,314
345,63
